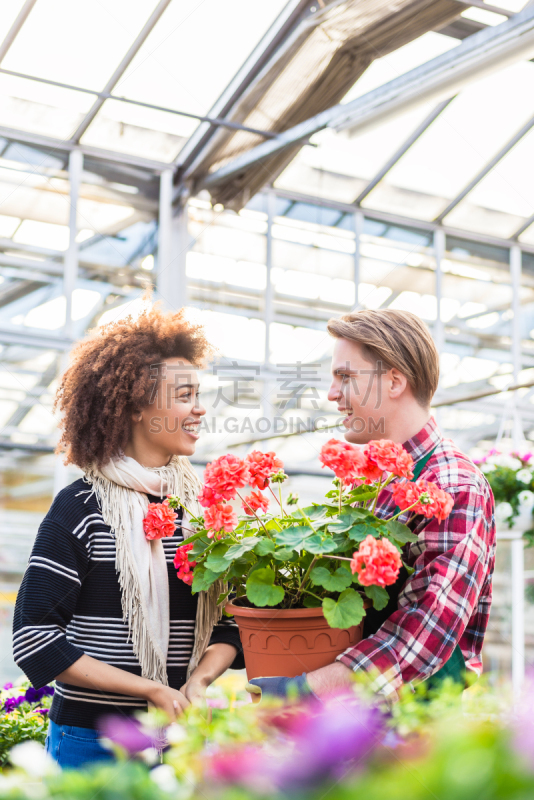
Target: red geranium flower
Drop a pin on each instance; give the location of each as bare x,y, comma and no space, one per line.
225,475
208,497
183,565
430,500
390,457
255,501
220,517
160,521
377,562
261,466
345,461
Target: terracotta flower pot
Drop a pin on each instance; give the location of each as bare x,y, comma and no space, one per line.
289,642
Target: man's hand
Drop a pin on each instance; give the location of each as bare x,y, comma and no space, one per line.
171,701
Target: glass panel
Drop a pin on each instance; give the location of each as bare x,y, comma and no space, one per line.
48,110
193,52
161,143
458,144
341,165
400,61
79,43
502,202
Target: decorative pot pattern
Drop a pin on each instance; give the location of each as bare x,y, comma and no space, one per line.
289,642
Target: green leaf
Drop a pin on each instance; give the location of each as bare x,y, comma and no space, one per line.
344,612
378,595
264,547
401,533
343,522
216,561
362,492
311,602
361,531
317,544
223,597
200,546
261,589
203,579
332,582
316,512
238,550
285,554
294,536
194,536
238,568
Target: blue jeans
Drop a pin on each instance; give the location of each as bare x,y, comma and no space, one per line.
74,747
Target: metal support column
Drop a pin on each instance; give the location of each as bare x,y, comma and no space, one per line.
439,330
517,543
268,312
70,277
173,243
358,230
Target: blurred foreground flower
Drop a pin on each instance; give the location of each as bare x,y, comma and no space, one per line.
128,734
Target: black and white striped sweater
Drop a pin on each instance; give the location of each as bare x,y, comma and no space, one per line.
69,603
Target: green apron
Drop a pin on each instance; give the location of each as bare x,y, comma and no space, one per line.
454,667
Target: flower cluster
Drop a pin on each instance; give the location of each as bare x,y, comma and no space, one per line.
354,465
160,520
255,501
225,476
31,695
261,467
423,497
377,562
183,565
220,517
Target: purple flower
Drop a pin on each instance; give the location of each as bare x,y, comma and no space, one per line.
10,703
126,732
33,695
523,721
48,690
41,710
216,702
7,686
340,732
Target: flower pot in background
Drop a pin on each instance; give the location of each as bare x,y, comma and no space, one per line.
289,642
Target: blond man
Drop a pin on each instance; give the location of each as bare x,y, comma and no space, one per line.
385,371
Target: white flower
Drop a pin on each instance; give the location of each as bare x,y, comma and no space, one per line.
508,461
526,498
164,777
33,759
524,476
487,466
176,733
502,511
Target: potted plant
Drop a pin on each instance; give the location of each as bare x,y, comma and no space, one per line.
300,579
511,477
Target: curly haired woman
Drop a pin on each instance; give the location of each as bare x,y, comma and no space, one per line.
100,608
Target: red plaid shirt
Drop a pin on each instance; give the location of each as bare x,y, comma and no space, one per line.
447,600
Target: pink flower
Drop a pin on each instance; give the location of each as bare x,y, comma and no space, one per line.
390,457
261,466
377,562
208,497
220,517
183,565
255,501
345,461
160,521
225,475
430,500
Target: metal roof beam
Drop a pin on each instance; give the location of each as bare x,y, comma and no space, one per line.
108,96
62,146
440,77
388,166
15,28
284,24
121,69
487,169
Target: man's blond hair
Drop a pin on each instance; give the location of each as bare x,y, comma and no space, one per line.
397,339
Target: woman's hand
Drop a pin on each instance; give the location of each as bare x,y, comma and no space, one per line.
171,701
194,689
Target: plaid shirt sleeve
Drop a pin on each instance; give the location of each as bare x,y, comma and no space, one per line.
446,600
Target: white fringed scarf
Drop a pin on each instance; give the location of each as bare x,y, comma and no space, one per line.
121,489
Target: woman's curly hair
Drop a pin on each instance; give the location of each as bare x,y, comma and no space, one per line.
111,376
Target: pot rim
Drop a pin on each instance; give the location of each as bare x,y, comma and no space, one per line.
264,613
